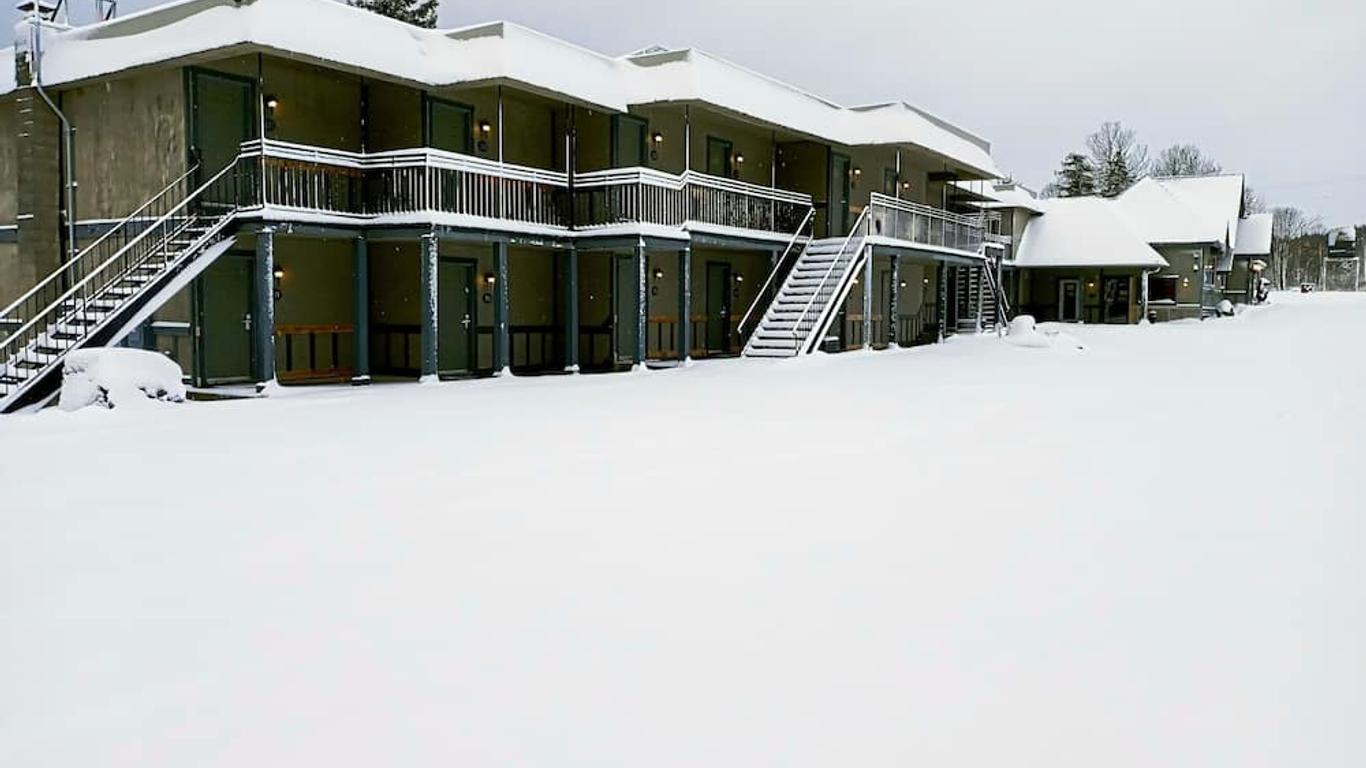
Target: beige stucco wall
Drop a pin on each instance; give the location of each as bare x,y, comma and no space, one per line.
130,140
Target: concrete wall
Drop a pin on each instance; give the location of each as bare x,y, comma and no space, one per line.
130,140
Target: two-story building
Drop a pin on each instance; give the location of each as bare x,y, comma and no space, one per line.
297,189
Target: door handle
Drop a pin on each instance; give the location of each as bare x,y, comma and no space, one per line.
246,322
465,321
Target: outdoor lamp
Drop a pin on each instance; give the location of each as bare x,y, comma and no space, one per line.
659,273
903,284
279,273
485,127
490,278
739,159
657,138
272,102
739,278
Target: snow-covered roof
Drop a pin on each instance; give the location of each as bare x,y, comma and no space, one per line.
1159,216
1254,235
333,33
1002,194
1216,199
1084,232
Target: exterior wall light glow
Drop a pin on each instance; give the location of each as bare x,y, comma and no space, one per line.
903,284
739,159
272,102
490,278
659,273
739,278
657,138
279,273
485,127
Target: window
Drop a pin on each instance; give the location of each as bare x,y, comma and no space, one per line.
1163,287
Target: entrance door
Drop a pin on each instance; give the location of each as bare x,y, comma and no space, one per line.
456,313
839,196
222,112
720,157
625,289
450,126
224,298
1069,300
1116,300
718,307
882,308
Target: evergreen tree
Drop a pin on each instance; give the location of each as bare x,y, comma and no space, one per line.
1076,177
420,13
1114,175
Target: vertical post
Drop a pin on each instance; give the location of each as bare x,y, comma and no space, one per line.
1143,294
868,300
642,300
897,191
571,314
943,289
501,344
981,291
361,302
429,304
263,313
894,305
502,183
685,305
687,139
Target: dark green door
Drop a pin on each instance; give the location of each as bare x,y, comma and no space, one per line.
625,290
456,310
222,116
718,307
839,195
225,298
450,126
628,141
720,157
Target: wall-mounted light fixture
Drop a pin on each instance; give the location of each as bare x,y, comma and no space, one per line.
739,278
905,185
657,138
490,278
272,102
903,284
925,281
485,127
279,273
659,273
739,159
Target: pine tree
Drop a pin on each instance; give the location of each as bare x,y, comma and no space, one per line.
420,13
1076,177
1114,175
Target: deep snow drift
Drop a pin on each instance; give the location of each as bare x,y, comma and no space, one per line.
115,377
1145,552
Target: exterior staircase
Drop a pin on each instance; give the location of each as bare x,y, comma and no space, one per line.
97,296
819,281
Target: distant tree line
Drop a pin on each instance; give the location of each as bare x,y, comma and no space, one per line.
421,13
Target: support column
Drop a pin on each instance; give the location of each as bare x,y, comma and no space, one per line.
894,319
501,336
1143,294
361,303
685,305
429,303
943,289
263,313
571,305
981,294
642,301
868,300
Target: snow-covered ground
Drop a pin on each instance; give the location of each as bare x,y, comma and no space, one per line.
1147,552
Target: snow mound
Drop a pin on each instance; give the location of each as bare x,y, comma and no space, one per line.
117,377
1225,308
1025,332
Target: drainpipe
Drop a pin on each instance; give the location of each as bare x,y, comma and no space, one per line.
68,170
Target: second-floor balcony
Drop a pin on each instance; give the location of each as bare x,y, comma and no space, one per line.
903,221
414,186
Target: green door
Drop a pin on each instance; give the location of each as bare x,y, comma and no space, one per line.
222,116
628,141
720,157
456,310
625,289
450,126
718,307
224,295
839,195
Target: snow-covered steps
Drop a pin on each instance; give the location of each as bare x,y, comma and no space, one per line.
818,282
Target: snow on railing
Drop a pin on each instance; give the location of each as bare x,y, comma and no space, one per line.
925,225
645,195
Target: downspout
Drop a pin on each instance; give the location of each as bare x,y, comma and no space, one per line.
68,169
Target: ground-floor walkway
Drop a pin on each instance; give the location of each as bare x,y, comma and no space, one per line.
1147,551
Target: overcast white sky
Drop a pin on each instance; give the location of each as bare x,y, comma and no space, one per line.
1276,90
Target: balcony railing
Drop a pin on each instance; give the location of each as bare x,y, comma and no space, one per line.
925,225
646,196
411,181
295,177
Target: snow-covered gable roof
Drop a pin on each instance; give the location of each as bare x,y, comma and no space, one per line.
1003,194
1254,235
1160,217
334,33
1084,232
1215,199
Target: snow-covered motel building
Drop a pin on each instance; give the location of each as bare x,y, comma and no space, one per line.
302,191
1166,248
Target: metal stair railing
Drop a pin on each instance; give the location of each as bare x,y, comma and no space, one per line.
40,296
1000,302
811,327
78,302
777,268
